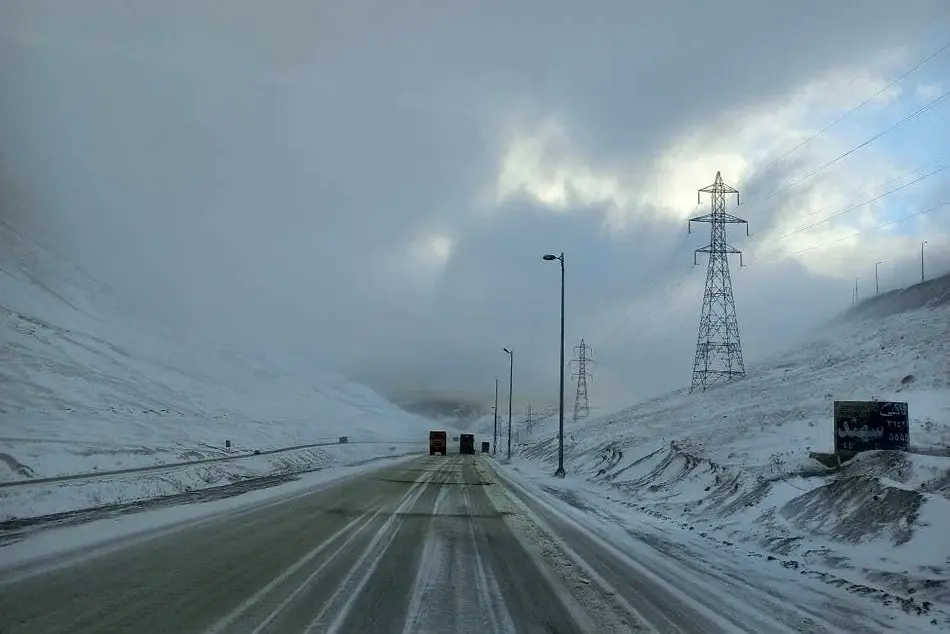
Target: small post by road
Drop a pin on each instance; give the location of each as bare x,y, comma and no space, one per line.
922,260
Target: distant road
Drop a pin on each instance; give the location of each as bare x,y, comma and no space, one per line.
436,544
189,463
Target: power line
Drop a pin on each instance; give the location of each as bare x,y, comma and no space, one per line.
673,256
631,314
854,206
659,306
894,179
665,339
847,114
658,277
811,248
929,106
931,209
851,236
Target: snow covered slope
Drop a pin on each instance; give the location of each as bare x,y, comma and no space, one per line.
85,386
734,462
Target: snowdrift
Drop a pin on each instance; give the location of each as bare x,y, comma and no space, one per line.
85,386
735,463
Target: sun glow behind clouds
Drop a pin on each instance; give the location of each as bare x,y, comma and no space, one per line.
431,253
546,162
543,164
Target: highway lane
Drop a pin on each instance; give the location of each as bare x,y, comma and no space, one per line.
434,544
418,547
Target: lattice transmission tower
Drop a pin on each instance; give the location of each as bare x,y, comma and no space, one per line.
583,359
718,348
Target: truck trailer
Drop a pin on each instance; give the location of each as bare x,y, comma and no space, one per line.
437,442
467,443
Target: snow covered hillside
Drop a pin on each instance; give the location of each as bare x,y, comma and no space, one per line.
733,464
85,387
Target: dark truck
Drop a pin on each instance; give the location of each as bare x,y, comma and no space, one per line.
437,442
467,443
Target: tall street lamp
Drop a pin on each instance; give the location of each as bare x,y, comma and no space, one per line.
494,446
560,412
922,260
511,371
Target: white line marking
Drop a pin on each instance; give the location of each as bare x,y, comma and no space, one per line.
430,565
583,565
438,507
313,575
260,594
385,535
485,585
616,554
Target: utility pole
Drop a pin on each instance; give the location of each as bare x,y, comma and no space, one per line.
718,348
877,285
922,260
581,401
494,445
856,298
511,372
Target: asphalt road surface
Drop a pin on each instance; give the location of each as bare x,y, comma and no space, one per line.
438,544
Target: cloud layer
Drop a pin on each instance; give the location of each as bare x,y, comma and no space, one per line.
371,188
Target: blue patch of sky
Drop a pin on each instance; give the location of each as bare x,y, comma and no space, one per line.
922,142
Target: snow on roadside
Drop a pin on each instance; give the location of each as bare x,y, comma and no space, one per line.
724,570
734,463
87,385
88,539
31,501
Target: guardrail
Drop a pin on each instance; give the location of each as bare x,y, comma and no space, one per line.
189,463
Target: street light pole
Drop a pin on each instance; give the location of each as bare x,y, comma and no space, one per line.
560,412
494,446
511,372
877,286
922,260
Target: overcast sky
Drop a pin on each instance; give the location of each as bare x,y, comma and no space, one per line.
370,186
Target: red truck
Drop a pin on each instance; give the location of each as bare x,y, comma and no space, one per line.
437,442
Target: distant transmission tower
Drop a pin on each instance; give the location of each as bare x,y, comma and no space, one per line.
581,401
718,349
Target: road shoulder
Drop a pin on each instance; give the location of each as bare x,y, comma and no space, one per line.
593,609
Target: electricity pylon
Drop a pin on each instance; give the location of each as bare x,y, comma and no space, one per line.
718,349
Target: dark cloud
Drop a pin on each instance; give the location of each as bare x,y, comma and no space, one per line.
261,174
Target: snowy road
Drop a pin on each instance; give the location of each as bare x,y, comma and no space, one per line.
432,545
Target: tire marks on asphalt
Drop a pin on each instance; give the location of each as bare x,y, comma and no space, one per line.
489,593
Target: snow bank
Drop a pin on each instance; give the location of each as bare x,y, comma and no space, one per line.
87,386
209,481
735,461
